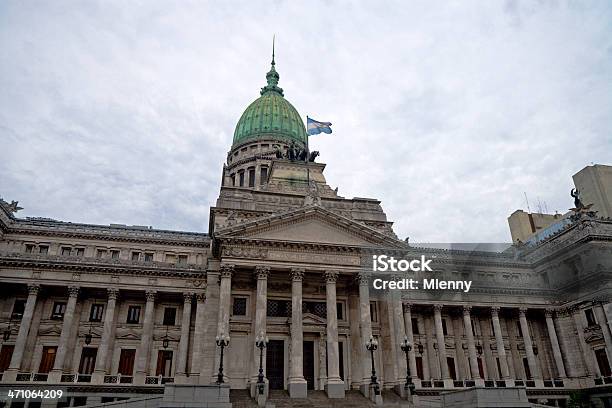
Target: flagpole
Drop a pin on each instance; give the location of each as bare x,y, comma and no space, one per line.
307,155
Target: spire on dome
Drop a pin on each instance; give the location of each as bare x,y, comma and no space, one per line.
272,77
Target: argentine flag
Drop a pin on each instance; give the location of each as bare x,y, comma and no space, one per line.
314,127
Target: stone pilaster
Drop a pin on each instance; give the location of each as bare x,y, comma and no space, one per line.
499,340
10,374
198,338
261,274
365,323
467,324
297,383
62,346
335,385
591,366
554,342
107,337
531,360
181,364
408,327
225,299
600,315
143,351
440,341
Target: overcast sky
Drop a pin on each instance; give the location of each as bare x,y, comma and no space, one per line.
123,111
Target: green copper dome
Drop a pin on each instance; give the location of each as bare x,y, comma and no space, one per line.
270,116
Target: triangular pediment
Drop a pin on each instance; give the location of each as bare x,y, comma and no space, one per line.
311,224
312,319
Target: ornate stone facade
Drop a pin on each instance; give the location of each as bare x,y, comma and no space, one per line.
117,311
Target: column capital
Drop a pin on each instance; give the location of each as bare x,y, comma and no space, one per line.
438,307
262,271
548,313
73,291
113,293
150,295
331,276
362,278
407,306
33,288
467,310
187,297
200,296
227,270
522,311
297,274
495,311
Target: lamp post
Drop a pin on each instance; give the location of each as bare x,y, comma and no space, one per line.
166,340
372,345
260,342
7,333
406,348
223,342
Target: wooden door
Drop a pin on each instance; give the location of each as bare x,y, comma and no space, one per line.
126,361
309,364
275,364
88,360
5,356
48,359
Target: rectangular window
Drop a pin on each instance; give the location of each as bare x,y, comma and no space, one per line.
526,368
251,177
340,311
59,308
415,325
18,308
164,363
148,257
29,248
263,176
233,177
133,316
444,331
101,253
126,361
96,312
373,314
602,362
66,251
590,317
47,360
88,360
498,368
43,249
182,259
114,254
241,178
278,308
450,361
169,316
419,367
239,306
519,329
135,256
5,356
80,251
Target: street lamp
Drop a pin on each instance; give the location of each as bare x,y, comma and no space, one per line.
7,333
479,349
260,342
166,340
222,341
535,350
406,348
420,348
372,345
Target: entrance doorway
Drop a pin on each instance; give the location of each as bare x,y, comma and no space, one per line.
275,364
309,364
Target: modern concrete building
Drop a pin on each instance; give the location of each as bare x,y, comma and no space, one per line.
107,313
595,186
524,224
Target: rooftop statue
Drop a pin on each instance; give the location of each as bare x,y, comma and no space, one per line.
580,208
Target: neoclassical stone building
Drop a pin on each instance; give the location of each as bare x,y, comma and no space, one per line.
112,312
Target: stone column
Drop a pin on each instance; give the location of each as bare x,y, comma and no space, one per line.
554,342
297,383
531,360
440,341
410,335
142,353
400,333
365,325
105,341
198,339
261,274
335,385
62,346
600,315
225,299
181,364
467,324
10,375
499,339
